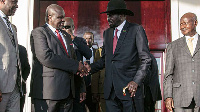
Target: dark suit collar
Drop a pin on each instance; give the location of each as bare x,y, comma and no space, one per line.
56,38
122,36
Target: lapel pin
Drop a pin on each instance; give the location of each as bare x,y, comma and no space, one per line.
124,30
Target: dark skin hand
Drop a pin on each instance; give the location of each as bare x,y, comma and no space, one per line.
82,70
132,88
169,104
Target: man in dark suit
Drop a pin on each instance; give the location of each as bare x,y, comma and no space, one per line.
54,64
10,66
126,58
25,72
69,27
182,74
152,90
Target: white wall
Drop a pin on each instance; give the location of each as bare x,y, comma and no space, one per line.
180,7
23,19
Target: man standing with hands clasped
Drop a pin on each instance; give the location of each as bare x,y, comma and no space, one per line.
182,76
125,56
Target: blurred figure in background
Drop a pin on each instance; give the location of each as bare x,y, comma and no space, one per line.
152,90
80,51
94,84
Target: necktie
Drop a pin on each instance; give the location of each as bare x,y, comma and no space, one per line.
9,28
115,40
61,40
190,45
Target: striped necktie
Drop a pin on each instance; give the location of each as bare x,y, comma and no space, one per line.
9,28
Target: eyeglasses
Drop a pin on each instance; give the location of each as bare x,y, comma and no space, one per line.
66,27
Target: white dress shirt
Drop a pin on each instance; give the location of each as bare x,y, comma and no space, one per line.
194,42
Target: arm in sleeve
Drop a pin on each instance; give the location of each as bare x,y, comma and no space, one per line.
46,56
144,55
168,76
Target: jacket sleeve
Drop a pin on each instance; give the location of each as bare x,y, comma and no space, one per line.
168,76
144,55
46,56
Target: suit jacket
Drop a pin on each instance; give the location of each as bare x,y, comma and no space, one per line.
9,59
24,65
182,73
128,63
152,81
52,70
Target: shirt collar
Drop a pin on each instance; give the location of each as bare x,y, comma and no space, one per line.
195,37
2,14
52,28
121,26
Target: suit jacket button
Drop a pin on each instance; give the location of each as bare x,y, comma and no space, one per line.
193,83
112,61
192,59
192,70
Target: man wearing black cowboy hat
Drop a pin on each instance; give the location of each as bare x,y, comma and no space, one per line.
126,57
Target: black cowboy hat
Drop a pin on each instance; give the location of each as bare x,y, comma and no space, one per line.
117,7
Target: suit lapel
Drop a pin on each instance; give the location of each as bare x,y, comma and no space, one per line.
183,44
122,37
109,36
197,46
69,43
5,26
56,38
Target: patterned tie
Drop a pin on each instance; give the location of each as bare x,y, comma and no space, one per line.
115,40
9,28
61,40
190,45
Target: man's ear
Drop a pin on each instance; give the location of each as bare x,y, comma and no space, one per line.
195,22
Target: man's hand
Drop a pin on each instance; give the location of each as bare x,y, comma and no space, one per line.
69,31
82,97
87,66
82,70
132,87
0,96
169,104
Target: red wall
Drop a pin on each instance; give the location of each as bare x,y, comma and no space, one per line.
154,16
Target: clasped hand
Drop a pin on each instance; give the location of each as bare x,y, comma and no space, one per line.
83,69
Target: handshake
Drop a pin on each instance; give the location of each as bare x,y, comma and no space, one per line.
83,70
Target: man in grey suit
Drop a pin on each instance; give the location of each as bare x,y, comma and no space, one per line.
54,64
182,76
10,78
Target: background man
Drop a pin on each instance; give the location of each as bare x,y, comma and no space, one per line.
126,58
52,83
69,27
94,82
25,72
152,90
181,80
10,78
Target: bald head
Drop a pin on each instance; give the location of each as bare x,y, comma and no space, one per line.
52,10
54,16
188,23
68,25
89,37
